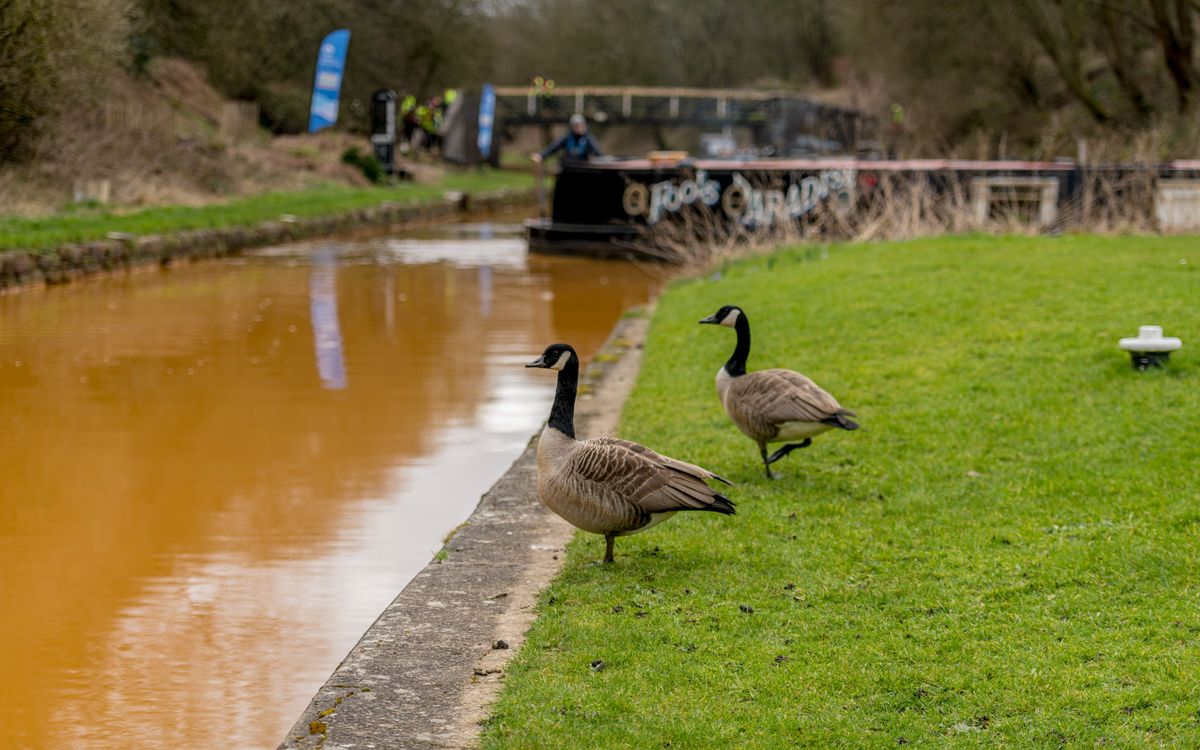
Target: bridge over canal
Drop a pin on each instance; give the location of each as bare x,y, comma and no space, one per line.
784,119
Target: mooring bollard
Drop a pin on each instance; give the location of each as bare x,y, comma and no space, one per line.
1149,348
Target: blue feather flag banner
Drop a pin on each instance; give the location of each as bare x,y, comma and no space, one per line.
327,83
487,120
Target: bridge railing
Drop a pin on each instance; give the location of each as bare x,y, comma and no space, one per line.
643,103
779,118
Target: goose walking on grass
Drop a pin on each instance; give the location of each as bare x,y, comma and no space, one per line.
605,485
772,406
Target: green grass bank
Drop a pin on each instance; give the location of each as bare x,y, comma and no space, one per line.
85,224
1004,556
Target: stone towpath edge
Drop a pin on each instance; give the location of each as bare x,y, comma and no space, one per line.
425,673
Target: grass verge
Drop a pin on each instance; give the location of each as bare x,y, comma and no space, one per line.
1004,555
89,224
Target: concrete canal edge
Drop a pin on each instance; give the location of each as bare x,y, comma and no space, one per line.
118,252
426,672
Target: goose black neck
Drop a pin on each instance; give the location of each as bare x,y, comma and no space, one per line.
562,413
737,361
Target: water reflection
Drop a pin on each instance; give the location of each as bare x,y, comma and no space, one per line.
327,334
485,291
193,531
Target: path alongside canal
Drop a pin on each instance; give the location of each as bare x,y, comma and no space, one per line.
425,673
42,251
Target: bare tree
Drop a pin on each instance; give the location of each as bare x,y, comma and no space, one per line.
1120,51
1061,30
57,54
1175,28
1027,67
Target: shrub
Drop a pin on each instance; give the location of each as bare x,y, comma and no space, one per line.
369,165
284,107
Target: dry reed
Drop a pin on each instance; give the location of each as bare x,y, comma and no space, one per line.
903,206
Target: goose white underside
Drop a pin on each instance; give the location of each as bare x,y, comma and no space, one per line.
800,430
655,519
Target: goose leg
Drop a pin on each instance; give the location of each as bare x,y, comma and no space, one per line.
608,547
762,449
785,450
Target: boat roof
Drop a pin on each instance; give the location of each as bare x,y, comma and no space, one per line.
876,165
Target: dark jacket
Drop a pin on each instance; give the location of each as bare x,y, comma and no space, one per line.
574,147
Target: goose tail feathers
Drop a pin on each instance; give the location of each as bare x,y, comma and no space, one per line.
720,479
842,419
721,504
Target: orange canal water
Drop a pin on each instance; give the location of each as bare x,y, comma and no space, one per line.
214,477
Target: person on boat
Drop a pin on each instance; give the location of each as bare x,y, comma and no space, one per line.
577,145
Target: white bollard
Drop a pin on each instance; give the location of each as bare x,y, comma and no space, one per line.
1150,348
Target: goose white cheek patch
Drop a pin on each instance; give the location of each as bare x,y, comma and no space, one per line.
563,359
731,318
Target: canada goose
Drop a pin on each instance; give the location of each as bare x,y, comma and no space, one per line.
605,485
772,406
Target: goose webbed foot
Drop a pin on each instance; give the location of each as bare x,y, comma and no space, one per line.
786,450
608,547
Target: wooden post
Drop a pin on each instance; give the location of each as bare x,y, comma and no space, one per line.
981,200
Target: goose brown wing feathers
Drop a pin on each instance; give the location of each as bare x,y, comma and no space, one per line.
646,479
780,396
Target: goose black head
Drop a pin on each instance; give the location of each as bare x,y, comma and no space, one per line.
726,316
556,357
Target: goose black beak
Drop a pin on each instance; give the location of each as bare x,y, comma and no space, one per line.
711,319
539,362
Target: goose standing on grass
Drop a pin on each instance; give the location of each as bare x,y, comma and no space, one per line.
772,406
605,485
